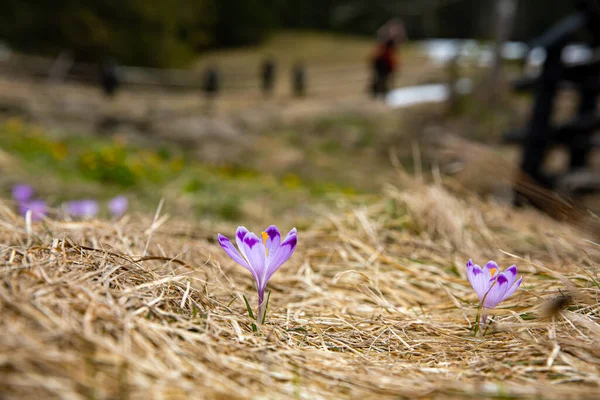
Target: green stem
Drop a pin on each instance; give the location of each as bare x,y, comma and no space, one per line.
482,322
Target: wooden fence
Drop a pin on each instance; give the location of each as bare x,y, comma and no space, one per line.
320,79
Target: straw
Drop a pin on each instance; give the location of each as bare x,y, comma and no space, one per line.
375,303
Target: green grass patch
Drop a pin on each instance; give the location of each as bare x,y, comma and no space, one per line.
64,166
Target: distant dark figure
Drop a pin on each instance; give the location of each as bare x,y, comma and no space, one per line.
299,79
210,83
383,64
109,76
268,73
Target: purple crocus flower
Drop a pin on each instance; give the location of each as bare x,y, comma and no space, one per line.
38,209
492,288
82,208
22,192
118,205
261,257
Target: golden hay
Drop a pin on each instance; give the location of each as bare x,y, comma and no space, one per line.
374,304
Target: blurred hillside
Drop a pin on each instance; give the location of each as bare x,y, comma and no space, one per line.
168,33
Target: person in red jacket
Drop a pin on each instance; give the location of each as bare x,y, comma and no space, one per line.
383,63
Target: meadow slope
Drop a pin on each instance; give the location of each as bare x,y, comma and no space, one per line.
374,304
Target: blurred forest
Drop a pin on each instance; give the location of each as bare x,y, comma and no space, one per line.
170,33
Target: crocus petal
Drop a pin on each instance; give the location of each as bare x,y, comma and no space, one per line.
284,252
90,208
38,209
118,205
496,292
22,192
512,289
82,208
491,269
290,233
240,233
254,250
511,274
232,251
273,241
479,280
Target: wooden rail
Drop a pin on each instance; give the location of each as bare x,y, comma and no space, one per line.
320,78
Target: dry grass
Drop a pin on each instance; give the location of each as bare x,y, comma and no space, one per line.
374,304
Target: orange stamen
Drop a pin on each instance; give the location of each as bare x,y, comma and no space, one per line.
265,236
493,271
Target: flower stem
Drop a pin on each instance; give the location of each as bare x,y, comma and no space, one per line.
482,322
260,313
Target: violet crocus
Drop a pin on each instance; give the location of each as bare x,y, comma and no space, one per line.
22,192
261,257
491,287
82,208
118,205
38,209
